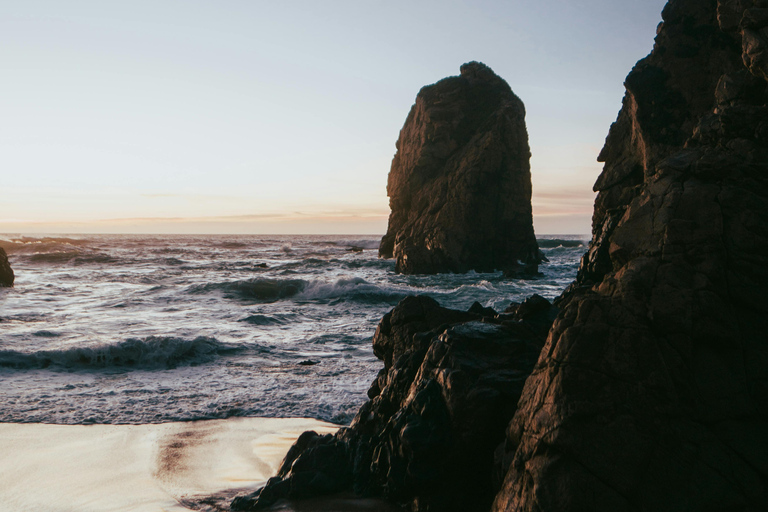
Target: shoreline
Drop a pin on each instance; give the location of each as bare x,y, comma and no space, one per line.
143,468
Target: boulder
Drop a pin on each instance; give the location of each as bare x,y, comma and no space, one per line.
651,392
460,183
6,272
430,435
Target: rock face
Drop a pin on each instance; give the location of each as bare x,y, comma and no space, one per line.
6,273
429,437
460,183
652,390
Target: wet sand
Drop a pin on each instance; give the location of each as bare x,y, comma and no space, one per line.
152,468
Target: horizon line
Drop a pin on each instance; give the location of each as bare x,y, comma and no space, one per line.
20,233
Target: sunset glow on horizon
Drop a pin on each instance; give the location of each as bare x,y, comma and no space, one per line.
281,118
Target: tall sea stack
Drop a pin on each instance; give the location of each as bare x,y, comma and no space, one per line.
652,390
460,183
6,273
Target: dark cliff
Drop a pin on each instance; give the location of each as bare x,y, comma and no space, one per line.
652,390
460,182
6,273
429,436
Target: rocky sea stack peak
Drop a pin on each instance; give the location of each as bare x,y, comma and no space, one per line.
460,182
476,72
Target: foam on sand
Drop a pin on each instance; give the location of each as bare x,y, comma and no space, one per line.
152,468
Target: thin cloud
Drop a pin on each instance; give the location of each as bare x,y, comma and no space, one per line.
349,215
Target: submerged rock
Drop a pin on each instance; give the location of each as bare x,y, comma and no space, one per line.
652,390
460,183
6,272
430,434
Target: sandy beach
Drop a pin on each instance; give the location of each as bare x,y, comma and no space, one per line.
142,468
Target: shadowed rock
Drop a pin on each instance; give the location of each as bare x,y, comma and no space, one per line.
652,390
6,273
430,436
460,183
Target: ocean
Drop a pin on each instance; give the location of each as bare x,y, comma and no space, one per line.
135,329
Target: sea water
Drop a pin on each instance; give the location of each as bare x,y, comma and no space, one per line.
149,329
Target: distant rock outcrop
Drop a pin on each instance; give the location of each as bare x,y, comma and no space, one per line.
460,183
652,390
6,273
430,436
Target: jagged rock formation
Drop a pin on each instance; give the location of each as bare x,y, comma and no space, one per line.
6,273
437,413
652,390
460,183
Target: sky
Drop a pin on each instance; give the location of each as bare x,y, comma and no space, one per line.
248,116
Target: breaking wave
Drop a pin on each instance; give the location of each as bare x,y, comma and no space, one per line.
151,352
554,243
273,290
267,319
31,245
56,250
365,243
261,290
355,288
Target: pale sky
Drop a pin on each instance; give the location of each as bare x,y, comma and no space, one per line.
236,116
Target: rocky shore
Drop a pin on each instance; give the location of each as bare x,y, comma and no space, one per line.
431,434
650,389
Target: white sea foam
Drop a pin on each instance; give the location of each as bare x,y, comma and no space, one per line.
355,288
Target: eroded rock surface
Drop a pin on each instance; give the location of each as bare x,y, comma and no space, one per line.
652,390
6,273
430,436
460,183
